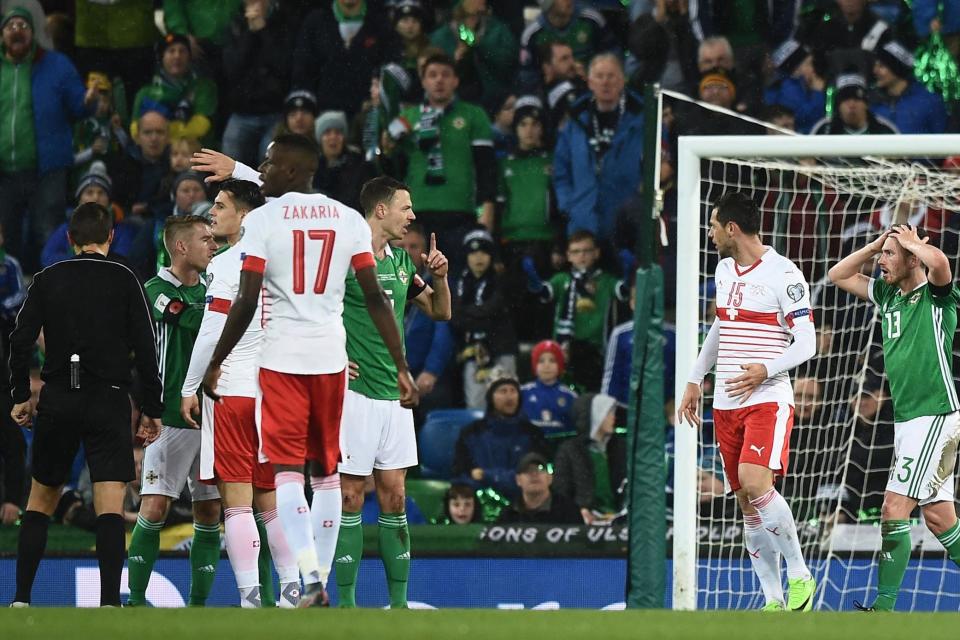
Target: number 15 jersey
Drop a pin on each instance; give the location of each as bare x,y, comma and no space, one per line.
304,245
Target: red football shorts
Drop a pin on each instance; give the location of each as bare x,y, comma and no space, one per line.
300,417
758,434
235,443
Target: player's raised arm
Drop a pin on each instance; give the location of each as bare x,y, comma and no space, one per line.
435,301
847,274
707,358
382,315
241,313
937,264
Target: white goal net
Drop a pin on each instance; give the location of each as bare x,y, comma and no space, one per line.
815,210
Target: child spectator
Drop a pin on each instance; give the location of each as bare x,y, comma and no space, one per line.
460,505
583,300
408,19
546,401
526,207
482,319
181,151
300,113
101,133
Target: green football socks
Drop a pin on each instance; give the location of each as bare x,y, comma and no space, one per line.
144,547
204,557
394,538
268,598
950,539
894,555
347,558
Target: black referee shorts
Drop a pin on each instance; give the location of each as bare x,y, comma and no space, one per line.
97,417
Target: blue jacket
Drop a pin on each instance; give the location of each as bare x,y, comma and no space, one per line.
618,364
12,291
495,444
548,406
915,111
57,95
429,343
590,193
808,106
926,10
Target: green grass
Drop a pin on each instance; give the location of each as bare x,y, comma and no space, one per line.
456,624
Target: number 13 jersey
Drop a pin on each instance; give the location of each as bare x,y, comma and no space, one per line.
757,306
304,245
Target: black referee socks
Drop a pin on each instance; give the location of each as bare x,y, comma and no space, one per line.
30,547
110,554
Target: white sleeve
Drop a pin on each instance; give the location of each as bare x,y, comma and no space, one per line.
803,347
243,172
210,329
708,355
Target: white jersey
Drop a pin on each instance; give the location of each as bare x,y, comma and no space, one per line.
304,244
238,375
757,306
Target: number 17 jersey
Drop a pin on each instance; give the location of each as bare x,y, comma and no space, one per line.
304,245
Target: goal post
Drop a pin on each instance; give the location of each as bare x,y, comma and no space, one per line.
854,159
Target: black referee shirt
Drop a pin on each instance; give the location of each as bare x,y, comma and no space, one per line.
95,307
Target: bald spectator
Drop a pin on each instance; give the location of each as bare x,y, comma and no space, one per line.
903,100
138,173
597,161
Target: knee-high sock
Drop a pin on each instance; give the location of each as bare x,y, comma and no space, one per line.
30,547
348,555
204,557
325,514
778,521
243,549
295,519
394,537
283,557
141,556
764,556
894,556
111,540
268,597
950,539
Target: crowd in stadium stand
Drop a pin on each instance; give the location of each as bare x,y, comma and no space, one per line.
518,127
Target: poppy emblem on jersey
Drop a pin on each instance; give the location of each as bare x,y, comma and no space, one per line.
175,307
459,123
402,274
795,292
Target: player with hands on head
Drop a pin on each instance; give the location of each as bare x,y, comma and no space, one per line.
764,327
377,435
298,250
917,304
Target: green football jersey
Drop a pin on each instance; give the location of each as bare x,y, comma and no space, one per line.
918,330
399,279
177,312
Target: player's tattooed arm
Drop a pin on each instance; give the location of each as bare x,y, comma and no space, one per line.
241,313
381,313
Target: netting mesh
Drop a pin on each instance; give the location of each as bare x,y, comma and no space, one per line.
815,211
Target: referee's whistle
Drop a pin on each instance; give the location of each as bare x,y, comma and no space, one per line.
75,371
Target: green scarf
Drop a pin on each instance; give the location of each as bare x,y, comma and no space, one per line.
341,18
428,139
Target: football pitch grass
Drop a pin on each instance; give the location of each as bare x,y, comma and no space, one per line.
456,624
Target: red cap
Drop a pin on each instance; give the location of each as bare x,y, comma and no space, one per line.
551,346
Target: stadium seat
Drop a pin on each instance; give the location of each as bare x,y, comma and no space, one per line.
428,495
437,438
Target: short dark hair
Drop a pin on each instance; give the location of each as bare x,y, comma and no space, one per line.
580,235
439,58
738,207
298,143
174,226
377,190
416,227
774,111
546,50
245,194
90,224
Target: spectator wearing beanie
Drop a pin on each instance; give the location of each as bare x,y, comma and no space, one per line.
95,186
488,450
257,62
300,113
851,115
481,320
483,48
591,469
902,99
342,170
190,99
410,22
537,503
799,86
546,401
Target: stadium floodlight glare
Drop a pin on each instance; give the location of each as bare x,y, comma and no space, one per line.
818,195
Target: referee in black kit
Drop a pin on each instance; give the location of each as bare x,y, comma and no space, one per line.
93,313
